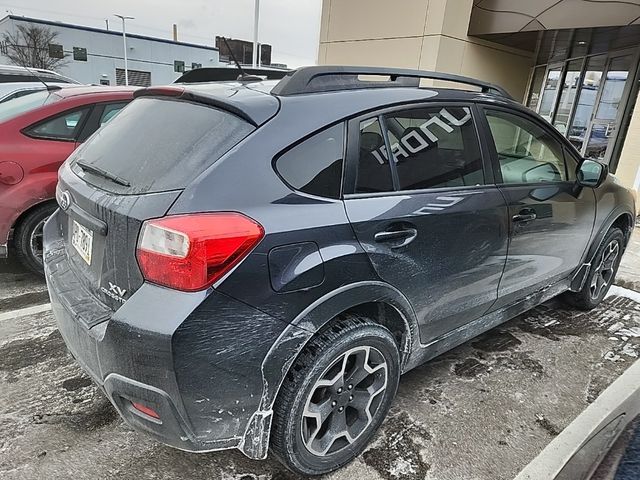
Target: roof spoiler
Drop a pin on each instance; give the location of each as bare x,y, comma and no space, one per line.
335,78
193,96
224,74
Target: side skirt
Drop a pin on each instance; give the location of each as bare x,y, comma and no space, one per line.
471,330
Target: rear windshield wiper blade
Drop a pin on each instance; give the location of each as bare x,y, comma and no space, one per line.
102,173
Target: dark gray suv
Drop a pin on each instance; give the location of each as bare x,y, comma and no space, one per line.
253,265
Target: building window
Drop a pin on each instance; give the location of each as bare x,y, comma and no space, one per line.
80,54
178,66
55,51
196,65
137,78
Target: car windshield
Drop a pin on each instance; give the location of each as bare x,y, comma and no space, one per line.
17,106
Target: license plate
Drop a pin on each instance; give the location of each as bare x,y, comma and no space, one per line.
82,241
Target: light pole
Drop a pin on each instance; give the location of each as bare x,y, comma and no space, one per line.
256,19
124,41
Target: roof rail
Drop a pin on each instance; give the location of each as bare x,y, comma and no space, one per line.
329,78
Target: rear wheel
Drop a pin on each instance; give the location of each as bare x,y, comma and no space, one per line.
27,237
602,273
335,396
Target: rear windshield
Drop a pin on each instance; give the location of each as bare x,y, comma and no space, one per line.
157,144
17,106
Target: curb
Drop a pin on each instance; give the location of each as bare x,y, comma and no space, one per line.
580,447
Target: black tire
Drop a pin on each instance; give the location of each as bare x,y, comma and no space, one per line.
595,288
343,342
24,232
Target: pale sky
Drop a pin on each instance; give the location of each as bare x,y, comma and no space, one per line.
292,27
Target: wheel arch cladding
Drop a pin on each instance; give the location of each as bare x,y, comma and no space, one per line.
619,218
392,310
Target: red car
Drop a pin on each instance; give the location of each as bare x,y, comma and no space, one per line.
37,133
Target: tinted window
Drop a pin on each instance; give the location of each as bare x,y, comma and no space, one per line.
61,127
435,147
315,165
110,111
527,153
374,173
158,144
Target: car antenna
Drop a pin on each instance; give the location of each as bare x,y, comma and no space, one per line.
50,88
243,77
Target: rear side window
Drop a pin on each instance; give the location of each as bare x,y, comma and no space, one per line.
435,147
61,127
374,173
315,165
156,145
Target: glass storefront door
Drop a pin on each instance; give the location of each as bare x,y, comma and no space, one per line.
548,97
585,99
606,119
568,95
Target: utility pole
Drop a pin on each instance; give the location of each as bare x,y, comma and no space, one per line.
124,41
256,20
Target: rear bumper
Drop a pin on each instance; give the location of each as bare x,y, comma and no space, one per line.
194,358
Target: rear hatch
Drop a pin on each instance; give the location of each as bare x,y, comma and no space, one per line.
131,170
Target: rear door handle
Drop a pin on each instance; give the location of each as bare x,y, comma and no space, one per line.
402,237
525,215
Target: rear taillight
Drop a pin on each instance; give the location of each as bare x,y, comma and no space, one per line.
191,252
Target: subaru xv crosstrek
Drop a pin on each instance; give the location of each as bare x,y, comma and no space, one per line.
253,265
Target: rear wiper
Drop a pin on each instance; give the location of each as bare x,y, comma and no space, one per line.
102,173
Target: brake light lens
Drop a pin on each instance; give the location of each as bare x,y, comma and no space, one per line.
191,252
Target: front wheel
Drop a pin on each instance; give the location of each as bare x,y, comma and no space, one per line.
335,396
602,273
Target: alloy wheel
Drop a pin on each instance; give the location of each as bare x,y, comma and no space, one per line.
35,241
344,400
605,271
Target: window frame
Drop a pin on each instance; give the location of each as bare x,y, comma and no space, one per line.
528,115
299,142
28,130
80,54
353,149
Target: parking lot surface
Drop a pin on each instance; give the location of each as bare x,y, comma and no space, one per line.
481,411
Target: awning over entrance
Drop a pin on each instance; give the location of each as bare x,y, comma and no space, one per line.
509,16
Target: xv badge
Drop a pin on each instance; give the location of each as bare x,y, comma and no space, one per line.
115,289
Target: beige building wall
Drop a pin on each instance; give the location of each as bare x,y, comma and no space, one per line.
425,34
628,170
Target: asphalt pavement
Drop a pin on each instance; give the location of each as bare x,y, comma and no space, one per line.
481,411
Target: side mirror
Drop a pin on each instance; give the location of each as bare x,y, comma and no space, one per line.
591,173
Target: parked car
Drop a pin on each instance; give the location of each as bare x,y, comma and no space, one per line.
18,81
240,265
37,133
